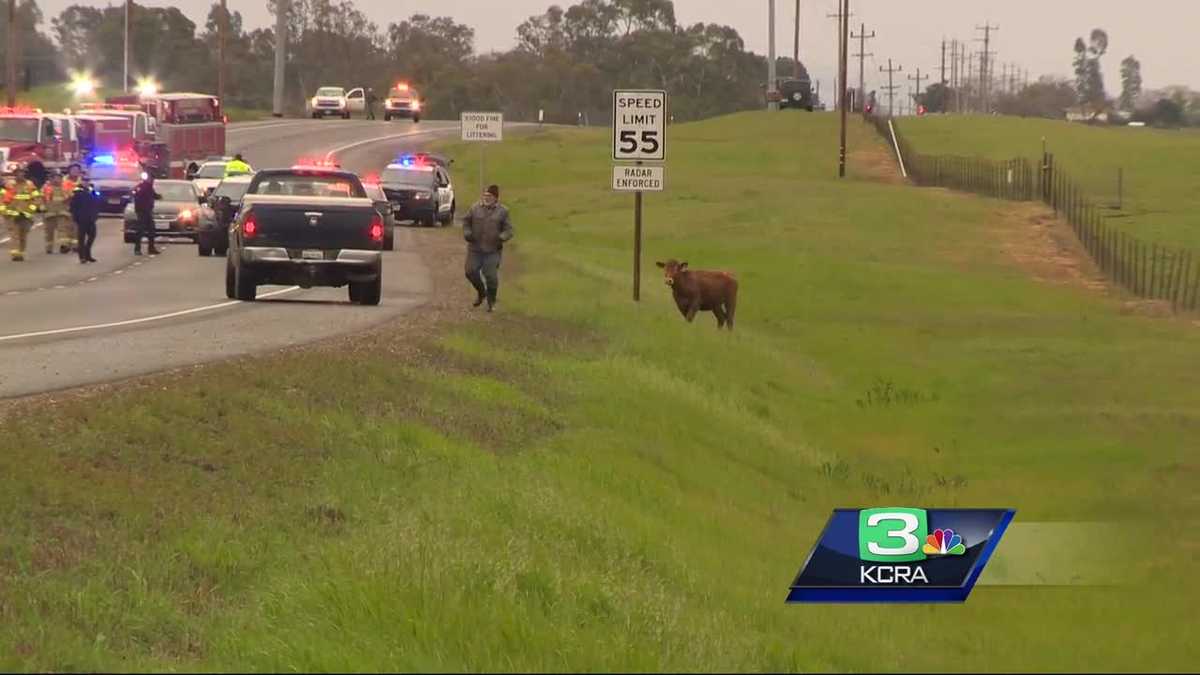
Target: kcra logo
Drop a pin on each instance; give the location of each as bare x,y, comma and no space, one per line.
900,554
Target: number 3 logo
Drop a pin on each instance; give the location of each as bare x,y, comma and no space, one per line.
892,534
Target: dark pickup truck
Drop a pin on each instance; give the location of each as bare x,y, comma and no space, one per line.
306,227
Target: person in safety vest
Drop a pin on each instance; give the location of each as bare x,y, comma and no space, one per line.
237,166
20,201
56,195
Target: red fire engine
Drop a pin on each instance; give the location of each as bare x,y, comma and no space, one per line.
142,134
188,127
28,133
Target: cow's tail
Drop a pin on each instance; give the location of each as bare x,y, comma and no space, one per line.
731,302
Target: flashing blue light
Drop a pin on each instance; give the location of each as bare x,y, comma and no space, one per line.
104,160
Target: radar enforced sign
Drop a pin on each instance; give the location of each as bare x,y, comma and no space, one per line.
639,125
638,178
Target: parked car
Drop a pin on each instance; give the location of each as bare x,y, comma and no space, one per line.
180,213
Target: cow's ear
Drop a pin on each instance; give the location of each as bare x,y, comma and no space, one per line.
682,266
661,264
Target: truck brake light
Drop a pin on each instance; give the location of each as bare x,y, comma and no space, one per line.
250,225
377,227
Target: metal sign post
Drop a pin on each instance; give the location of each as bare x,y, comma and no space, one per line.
483,128
639,136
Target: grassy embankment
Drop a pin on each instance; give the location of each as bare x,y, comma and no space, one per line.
1161,170
580,482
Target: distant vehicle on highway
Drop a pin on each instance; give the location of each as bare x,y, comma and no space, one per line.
419,189
225,201
114,176
310,225
796,94
180,213
337,101
402,101
384,207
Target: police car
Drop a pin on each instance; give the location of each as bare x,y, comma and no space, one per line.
114,176
402,101
419,189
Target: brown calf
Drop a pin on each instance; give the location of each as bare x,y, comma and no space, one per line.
701,291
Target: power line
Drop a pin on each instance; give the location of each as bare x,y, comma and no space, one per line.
842,16
862,38
918,79
985,73
891,85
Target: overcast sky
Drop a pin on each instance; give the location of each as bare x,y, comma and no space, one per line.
1034,34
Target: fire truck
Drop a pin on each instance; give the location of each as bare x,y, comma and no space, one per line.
188,128
143,134
28,133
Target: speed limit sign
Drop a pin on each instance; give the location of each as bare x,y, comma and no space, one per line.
639,125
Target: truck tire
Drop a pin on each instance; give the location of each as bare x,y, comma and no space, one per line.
387,117
316,116
389,242
203,249
367,293
230,280
448,219
416,119
244,288
346,115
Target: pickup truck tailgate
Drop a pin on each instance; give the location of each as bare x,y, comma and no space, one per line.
297,222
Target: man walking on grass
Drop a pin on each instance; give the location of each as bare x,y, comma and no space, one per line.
486,227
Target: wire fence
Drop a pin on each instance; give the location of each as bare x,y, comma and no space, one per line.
1147,270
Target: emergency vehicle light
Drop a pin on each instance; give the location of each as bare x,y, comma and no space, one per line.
20,110
403,86
313,163
104,160
417,160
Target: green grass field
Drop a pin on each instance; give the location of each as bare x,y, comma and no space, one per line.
1161,196
585,483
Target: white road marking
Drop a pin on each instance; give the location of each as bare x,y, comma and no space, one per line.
412,134
133,322
8,239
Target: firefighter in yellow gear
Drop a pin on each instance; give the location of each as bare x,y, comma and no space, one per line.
20,200
60,229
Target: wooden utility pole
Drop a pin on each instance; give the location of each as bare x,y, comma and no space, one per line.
125,81
844,90
943,80
10,66
918,79
862,54
891,85
840,15
222,28
954,76
772,81
985,71
281,24
796,47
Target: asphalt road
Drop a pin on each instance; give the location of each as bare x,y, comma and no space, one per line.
64,325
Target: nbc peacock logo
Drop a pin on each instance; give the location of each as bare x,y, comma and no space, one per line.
944,542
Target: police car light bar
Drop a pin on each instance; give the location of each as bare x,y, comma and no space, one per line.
313,163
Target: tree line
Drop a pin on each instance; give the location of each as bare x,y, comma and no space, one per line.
566,62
